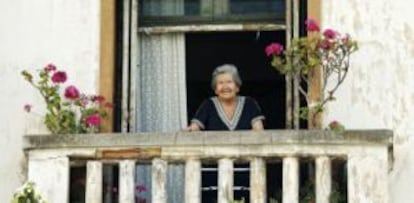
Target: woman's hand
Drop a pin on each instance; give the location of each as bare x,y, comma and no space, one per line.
257,125
193,127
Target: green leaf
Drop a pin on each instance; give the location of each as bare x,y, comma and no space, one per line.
304,113
27,76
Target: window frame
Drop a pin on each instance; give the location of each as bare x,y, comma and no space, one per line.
211,12
109,67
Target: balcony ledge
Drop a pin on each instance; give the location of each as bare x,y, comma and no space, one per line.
210,138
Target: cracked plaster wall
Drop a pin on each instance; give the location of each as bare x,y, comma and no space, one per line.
33,34
379,91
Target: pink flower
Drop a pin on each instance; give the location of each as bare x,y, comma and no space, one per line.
326,44
59,77
84,100
312,25
71,92
27,108
93,120
141,188
274,48
334,124
329,33
346,38
50,67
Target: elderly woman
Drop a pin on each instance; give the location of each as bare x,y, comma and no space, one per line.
227,110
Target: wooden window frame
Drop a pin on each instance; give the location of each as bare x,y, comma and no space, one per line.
107,56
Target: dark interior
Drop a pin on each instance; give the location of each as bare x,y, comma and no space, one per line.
206,51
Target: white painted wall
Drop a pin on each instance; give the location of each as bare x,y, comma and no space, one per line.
33,34
379,91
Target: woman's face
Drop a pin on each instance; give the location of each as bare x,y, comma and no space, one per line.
226,88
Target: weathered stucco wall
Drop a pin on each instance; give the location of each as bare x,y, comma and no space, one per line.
379,91
33,34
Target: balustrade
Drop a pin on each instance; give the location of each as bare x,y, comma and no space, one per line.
366,154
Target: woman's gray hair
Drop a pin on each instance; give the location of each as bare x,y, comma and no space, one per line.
226,68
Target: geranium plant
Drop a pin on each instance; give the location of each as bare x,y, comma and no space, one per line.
139,197
27,194
74,112
336,126
328,50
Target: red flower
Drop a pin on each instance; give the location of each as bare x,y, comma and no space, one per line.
326,44
59,77
27,108
93,120
71,92
329,33
50,67
274,48
312,25
98,99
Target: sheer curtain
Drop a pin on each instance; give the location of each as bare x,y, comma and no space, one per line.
163,99
162,89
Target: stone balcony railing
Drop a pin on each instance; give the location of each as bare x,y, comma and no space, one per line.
366,153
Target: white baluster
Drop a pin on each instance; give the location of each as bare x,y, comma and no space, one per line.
290,180
126,181
257,180
323,179
159,181
93,182
193,181
225,180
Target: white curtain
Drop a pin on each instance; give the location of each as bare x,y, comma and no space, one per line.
162,102
162,89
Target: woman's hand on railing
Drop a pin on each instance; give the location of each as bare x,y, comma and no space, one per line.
192,127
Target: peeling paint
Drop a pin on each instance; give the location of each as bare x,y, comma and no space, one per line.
379,92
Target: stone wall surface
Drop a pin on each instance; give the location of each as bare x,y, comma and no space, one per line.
379,90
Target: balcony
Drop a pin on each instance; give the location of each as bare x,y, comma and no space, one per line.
366,153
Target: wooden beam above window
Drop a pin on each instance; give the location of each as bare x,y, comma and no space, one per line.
209,28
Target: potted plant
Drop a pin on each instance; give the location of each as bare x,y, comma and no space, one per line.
28,194
328,50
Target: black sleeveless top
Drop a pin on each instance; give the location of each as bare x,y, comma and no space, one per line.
210,115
